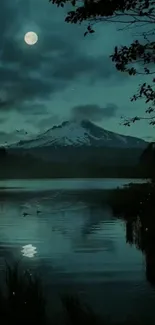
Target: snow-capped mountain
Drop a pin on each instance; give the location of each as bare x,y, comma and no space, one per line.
79,134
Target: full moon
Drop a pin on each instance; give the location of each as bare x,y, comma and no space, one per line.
31,38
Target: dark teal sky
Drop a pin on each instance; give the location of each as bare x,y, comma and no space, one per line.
64,75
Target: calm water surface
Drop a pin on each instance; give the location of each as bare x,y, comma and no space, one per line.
65,184
81,247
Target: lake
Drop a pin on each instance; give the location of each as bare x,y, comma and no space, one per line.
65,184
77,245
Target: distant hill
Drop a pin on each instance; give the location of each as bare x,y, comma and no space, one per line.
14,166
74,149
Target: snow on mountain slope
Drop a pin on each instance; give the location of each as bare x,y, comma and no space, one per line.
84,133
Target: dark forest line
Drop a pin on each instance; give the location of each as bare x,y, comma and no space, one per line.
116,165
35,169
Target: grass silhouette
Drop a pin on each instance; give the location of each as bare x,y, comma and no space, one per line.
23,303
77,313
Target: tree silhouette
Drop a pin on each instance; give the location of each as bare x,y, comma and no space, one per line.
142,236
147,160
136,59
3,153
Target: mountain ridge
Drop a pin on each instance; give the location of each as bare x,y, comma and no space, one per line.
79,134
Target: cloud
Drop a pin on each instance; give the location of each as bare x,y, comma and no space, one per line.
2,120
48,122
34,109
41,71
76,65
94,112
12,137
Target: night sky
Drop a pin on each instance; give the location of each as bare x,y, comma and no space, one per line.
63,76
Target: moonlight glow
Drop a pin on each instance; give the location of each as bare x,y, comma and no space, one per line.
29,250
31,38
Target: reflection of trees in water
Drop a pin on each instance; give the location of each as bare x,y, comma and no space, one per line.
134,233
97,216
136,205
140,231
90,239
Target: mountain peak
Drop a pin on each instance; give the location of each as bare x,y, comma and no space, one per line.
72,121
77,133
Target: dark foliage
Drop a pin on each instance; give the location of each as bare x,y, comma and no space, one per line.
139,57
147,160
24,299
3,153
136,206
